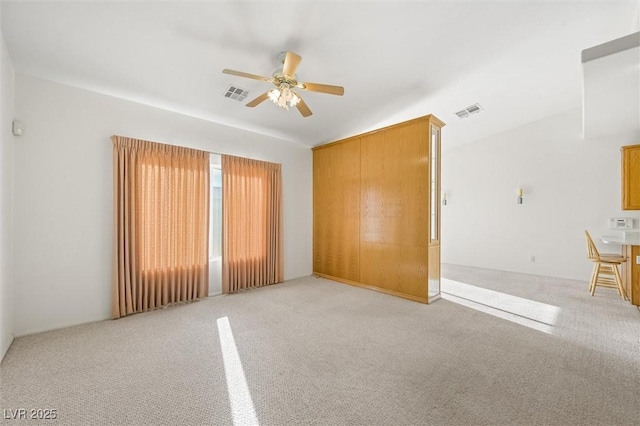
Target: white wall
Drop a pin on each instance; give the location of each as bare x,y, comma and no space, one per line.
611,93
6,197
571,184
63,194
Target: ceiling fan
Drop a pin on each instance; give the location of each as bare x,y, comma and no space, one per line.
285,81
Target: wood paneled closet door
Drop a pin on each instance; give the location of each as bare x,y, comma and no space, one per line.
394,210
336,210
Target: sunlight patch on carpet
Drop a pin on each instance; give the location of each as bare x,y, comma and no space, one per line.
532,314
242,408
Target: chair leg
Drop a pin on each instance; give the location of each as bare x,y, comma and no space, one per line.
595,278
592,283
619,282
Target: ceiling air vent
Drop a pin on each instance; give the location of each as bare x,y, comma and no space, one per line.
473,109
236,93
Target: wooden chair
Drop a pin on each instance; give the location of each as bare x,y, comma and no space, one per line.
605,269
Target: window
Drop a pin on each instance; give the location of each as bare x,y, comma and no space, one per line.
215,227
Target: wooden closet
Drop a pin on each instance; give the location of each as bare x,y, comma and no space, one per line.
376,209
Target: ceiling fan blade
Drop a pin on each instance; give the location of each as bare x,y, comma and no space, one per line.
247,75
322,88
257,101
291,62
303,108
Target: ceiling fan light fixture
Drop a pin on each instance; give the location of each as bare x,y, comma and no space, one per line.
274,95
284,97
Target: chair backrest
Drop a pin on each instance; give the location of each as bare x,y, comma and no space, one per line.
592,251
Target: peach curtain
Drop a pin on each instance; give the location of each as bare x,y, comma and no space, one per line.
161,225
251,223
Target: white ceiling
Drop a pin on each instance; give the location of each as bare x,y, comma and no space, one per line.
396,60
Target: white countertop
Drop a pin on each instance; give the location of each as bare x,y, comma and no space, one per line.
626,238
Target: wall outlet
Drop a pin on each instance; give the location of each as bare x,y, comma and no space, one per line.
533,258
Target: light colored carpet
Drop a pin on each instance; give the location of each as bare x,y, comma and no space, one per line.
315,352
603,322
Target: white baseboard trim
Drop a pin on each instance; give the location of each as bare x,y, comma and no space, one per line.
22,333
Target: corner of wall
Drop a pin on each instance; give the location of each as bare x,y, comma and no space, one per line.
7,109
